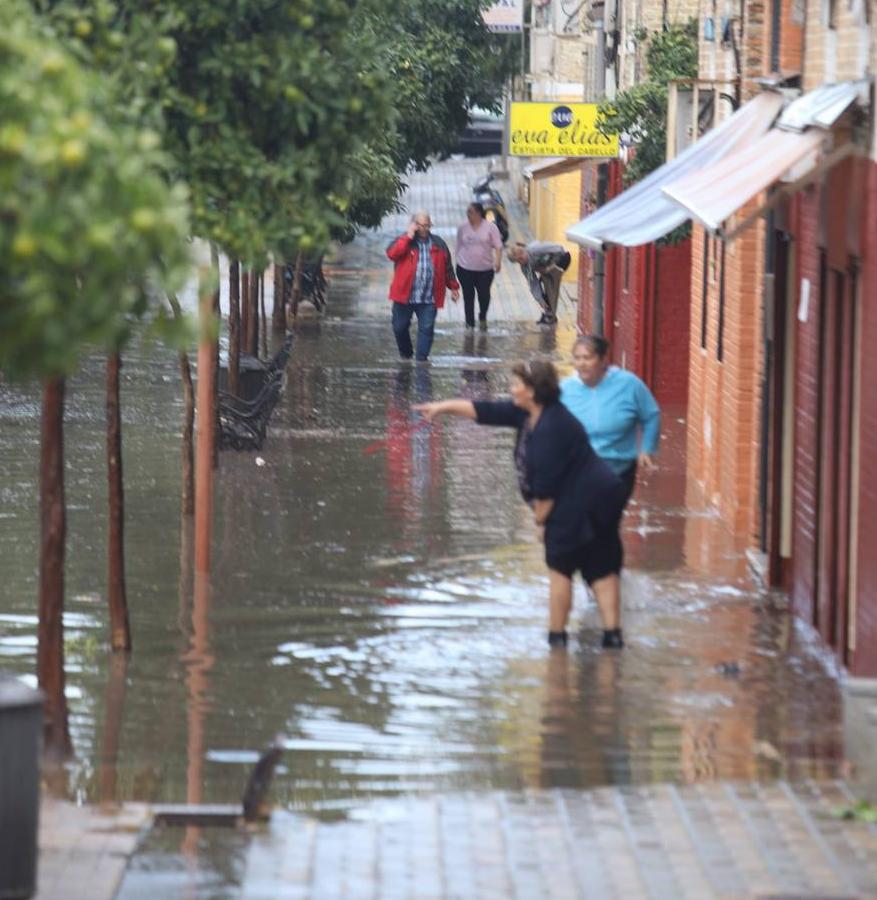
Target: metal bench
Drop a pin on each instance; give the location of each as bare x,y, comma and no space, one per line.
243,424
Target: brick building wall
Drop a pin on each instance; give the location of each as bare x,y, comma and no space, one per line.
569,59
627,350
806,435
839,50
725,382
672,317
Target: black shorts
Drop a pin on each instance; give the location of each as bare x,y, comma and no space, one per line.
601,553
595,560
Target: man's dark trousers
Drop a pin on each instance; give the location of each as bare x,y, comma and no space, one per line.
402,313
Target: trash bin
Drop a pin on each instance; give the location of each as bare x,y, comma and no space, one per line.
251,375
21,723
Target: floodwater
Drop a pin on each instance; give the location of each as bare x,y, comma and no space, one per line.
378,602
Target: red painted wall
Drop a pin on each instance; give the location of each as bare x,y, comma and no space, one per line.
864,657
672,322
812,585
646,304
806,441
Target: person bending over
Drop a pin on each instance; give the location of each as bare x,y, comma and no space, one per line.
575,497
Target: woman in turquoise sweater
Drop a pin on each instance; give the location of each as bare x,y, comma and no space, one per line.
618,411
623,423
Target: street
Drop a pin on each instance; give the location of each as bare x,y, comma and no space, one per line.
378,599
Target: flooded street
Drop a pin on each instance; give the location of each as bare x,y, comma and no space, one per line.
378,600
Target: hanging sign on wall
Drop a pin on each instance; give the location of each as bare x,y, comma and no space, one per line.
558,129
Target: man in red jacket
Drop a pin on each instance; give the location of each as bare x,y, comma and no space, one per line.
423,273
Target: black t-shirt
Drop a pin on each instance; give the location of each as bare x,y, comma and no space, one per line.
555,461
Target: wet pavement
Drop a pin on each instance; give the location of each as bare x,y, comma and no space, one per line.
378,601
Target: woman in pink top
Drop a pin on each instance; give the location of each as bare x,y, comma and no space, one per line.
479,256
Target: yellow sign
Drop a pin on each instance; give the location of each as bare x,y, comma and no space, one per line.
558,129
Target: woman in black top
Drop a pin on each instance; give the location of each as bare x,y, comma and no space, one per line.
575,497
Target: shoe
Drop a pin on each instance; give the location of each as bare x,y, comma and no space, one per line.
542,320
470,327
612,639
557,638
482,324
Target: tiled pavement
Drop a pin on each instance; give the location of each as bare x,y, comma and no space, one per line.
83,850
716,840
711,840
444,192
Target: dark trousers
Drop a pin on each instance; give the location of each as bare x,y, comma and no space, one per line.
628,481
470,282
402,313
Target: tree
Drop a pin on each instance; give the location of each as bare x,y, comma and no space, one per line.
89,232
641,111
440,67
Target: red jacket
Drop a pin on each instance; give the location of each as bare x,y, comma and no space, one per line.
404,253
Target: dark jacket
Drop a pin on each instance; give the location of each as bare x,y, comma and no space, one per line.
560,465
404,253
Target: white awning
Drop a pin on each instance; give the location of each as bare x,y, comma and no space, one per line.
554,165
823,106
643,213
799,146
716,192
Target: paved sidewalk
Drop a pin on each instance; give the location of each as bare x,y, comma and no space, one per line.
83,850
713,840
445,191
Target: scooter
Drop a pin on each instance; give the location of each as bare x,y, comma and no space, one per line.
489,197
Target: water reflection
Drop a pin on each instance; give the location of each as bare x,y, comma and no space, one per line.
377,596
198,660
114,708
412,449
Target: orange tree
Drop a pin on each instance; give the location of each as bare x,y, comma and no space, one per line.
90,231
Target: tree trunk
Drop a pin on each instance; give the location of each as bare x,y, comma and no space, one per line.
217,312
114,707
188,443
253,329
296,284
278,313
120,629
245,310
206,430
234,327
53,528
264,320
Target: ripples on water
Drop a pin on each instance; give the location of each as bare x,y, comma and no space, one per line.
383,610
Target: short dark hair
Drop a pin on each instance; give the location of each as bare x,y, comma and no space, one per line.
540,375
478,207
594,343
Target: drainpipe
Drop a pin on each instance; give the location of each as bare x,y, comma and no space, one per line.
597,15
598,325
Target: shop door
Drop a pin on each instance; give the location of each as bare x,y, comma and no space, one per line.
835,428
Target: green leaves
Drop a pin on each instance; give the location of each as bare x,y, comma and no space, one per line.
267,109
88,223
641,111
860,811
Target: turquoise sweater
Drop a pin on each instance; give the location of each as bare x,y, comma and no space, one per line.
620,415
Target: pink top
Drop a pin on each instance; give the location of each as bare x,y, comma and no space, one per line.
475,246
